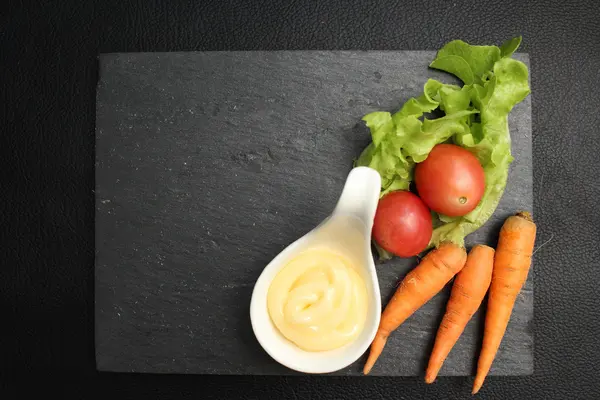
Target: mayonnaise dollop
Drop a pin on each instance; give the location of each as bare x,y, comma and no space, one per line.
318,301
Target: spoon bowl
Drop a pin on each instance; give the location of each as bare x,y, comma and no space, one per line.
347,231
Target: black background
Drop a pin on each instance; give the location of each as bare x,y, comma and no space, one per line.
48,72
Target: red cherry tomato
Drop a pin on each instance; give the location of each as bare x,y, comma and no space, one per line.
402,224
450,180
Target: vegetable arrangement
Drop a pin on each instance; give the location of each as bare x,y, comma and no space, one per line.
475,118
458,165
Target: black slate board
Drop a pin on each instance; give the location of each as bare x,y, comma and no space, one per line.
209,164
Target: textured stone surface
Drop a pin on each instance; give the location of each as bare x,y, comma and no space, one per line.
209,164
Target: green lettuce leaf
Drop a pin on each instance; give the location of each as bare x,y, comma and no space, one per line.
475,117
508,48
469,63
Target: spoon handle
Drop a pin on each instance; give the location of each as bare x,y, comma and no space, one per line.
360,195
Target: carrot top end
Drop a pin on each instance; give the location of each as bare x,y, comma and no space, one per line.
525,215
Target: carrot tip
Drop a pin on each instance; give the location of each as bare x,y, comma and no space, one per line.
477,385
369,365
376,349
526,215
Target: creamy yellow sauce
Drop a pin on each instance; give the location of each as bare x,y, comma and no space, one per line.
318,301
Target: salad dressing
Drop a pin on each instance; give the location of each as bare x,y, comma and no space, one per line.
318,301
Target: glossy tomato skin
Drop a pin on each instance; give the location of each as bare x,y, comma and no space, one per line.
402,224
450,181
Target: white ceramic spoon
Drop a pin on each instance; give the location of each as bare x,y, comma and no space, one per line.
347,230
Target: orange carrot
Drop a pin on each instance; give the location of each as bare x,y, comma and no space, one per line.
417,288
468,291
511,267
